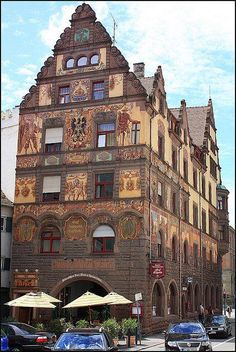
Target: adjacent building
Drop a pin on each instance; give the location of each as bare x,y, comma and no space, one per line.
6,240
228,270
115,191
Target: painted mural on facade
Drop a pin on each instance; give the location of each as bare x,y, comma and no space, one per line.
25,189
129,184
77,158
45,94
124,125
116,85
129,227
75,228
30,133
27,161
25,230
80,90
76,187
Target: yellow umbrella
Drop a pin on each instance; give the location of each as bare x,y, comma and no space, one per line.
48,297
88,299
31,300
117,299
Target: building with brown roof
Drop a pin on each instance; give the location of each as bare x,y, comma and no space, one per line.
228,270
114,190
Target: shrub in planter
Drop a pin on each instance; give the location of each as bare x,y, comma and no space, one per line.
129,325
82,324
56,326
39,326
112,327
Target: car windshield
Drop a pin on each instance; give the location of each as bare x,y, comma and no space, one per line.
3,333
74,341
219,319
25,329
186,328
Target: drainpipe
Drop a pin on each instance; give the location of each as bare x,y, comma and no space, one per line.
180,244
200,221
150,165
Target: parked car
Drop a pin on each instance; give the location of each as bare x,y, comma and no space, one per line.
23,337
218,325
187,336
4,342
87,339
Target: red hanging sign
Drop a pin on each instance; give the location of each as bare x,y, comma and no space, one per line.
157,269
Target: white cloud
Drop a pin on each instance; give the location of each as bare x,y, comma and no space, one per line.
28,69
33,20
231,206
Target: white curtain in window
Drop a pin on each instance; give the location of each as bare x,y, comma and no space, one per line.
159,189
51,184
103,231
54,135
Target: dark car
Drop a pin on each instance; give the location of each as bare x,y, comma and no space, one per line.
23,337
187,336
218,325
91,339
4,342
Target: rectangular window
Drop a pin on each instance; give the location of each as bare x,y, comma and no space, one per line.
220,203
210,225
64,95
185,210
98,90
50,243
160,193
7,263
195,255
203,187
210,195
203,221
204,256
186,170
103,245
9,224
174,159
174,203
105,135
104,186
213,167
185,136
135,137
195,178
195,216
53,139
161,147
2,224
51,188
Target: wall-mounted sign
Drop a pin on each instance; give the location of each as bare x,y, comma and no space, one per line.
157,269
138,297
26,280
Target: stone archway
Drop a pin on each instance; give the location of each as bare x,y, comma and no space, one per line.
172,298
158,299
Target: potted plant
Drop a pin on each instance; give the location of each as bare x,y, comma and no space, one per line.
112,328
39,326
129,326
82,324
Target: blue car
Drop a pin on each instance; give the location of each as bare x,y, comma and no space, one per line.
4,342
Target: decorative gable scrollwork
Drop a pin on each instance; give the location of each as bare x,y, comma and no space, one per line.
64,40
118,56
83,11
44,69
100,33
135,83
29,98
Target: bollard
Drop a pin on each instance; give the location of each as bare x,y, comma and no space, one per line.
128,334
136,336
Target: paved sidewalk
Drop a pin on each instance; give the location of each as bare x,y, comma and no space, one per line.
146,342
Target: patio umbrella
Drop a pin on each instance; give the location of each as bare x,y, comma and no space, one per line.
88,299
49,298
117,299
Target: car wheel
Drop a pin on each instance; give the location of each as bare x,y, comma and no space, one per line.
16,349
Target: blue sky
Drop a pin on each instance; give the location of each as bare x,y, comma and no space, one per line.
193,41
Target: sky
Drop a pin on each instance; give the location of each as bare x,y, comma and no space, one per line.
193,41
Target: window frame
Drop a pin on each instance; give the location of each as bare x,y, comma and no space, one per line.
135,133
104,183
104,240
185,169
161,145
79,58
97,90
52,238
195,215
3,223
106,132
64,95
95,54
174,158
66,62
160,246
185,252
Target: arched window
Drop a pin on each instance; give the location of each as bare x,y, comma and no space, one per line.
217,297
206,297
82,61
186,252
213,303
157,301
172,299
189,298
159,244
50,240
70,63
174,249
103,239
196,298
94,59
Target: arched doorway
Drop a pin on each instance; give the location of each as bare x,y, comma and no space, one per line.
196,298
206,297
172,303
217,297
213,304
158,304
189,303
183,306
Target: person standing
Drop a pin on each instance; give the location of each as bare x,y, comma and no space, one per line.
201,313
229,310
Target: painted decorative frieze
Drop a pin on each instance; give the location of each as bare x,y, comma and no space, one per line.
104,156
80,90
75,228
154,225
76,187
45,94
77,158
25,230
28,161
129,184
116,85
129,227
124,125
30,132
25,190
78,129
129,154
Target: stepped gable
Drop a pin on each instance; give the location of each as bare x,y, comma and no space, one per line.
5,200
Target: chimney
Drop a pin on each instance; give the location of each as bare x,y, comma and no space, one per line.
139,69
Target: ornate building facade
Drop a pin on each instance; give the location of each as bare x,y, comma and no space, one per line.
228,270
115,191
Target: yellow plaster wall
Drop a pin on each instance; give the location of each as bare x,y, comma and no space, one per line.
129,184
45,94
25,189
115,85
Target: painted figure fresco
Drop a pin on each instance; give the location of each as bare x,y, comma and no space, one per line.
82,35
79,133
130,184
129,226
75,228
25,190
76,187
45,94
25,230
154,225
29,134
116,85
80,90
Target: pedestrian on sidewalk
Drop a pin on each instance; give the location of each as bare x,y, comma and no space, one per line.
229,311
201,314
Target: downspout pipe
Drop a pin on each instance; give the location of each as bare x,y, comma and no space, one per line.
150,166
180,237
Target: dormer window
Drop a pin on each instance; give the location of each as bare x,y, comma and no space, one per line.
82,61
94,59
70,63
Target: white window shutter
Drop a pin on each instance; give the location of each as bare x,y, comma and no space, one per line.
54,135
51,184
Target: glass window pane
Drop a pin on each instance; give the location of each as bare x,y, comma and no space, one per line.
98,244
98,191
110,139
70,63
82,61
46,246
109,244
98,85
101,140
55,245
94,59
98,95
109,191
106,127
105,177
